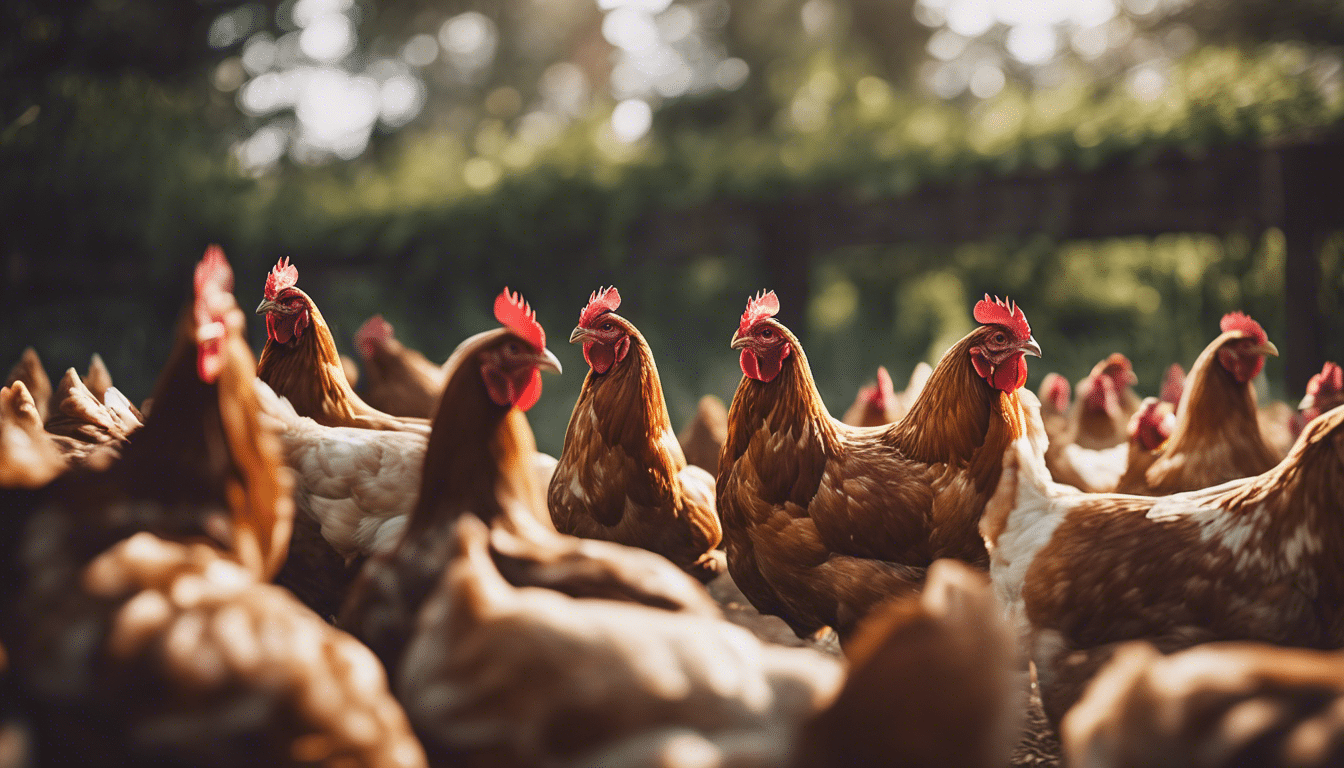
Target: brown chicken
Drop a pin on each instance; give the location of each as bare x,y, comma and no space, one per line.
1252,559
300,361
1096,417
1217,436
1149,431
879,403
931,682
398,380
1325,391
143,634
499,674
480,461
1055,394
622,476
29,370
702,439
822,521
29,457
1215,706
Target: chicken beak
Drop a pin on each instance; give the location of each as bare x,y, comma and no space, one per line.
547,361
738,342
265,306
1031,347
1307,402
1267,348
580,333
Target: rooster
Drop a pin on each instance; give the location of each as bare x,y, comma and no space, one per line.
1216,706
1217,436
1252,559
479,461
702,439
823,520
300,361
144,634
398,380
622,476
879,403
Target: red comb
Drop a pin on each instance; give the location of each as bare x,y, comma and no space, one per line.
374,331
213,269
1239,321
1330,379
878,393
601,301
514,313
1058,391
213,283
283,276
763,306
1000,312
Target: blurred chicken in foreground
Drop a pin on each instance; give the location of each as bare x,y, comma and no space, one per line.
1214,706
143,634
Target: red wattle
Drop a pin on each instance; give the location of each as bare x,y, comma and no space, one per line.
530,394
598,356
750,368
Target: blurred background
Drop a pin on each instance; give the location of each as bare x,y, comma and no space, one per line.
1127,170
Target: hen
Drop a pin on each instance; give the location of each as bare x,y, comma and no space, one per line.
1215,706
1252,559
1217,436
822,521
879,403
143,635
1149,431
1097,416
1055,394
479,462
301,364
398,380
622,476
1325,391
702,439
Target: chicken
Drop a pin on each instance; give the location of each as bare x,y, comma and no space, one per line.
28,454
29,370
1217,436
702,439
622,476
931,682
398,380
144,635
1251,559
1325,391
479,462
301,364
1097,416
1055,394
501,675
822,521
1214,706
1149,430
880,403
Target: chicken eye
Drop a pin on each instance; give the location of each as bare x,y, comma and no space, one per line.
999,338
607,326
768,333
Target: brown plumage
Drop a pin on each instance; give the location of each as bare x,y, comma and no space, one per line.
822,521
1101,413
28,454
702,439
397,379
98,379
143,636
479,461
1149,431
1215,706
300,361
83,418
1253,559
622,476
932,681
1217,436
29,370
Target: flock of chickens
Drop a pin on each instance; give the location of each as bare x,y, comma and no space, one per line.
258,566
